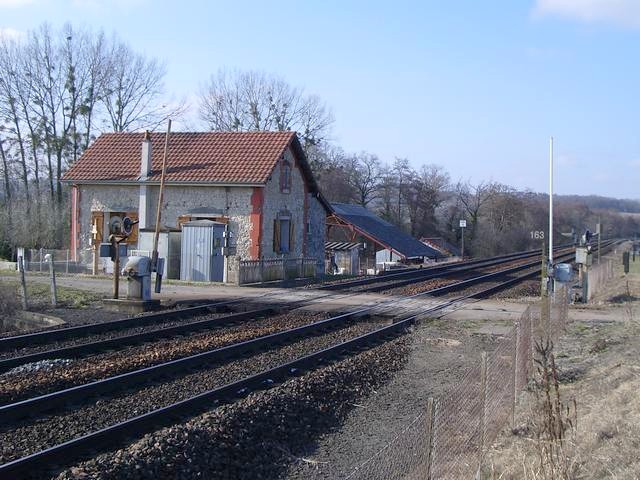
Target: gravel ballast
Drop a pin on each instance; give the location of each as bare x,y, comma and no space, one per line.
29,436
256,437
119,333
28,384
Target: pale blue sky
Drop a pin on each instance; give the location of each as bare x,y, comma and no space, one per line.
475,86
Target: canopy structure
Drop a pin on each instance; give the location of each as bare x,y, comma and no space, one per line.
361,221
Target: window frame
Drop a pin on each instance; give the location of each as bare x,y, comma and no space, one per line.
286,173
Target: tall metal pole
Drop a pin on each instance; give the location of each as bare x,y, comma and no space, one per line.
154,255
551,201
462,250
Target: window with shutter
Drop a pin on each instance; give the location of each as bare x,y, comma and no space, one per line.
276,235
285,177
285,235
292,236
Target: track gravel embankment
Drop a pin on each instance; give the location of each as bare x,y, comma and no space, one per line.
29,436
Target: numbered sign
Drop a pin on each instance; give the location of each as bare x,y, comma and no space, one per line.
463,223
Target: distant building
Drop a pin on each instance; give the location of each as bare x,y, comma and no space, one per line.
256,185
441,245
389,242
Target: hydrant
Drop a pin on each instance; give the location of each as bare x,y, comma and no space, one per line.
138,273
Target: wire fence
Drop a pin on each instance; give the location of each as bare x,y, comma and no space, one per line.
449,437
37,260
599,276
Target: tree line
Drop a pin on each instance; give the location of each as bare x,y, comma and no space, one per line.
60,89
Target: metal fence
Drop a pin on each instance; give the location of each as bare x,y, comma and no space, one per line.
599,276
37,260
448,439
271,269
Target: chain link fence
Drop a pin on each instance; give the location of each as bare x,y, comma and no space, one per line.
449,437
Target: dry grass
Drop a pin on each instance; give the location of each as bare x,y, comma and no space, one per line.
606,439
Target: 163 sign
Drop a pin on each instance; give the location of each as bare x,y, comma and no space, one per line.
537,234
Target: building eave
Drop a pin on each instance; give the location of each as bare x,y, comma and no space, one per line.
157,183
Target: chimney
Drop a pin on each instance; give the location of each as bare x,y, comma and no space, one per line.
145,171
145,163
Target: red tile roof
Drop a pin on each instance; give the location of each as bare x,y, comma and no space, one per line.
210,157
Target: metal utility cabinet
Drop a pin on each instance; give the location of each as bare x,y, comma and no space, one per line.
201,258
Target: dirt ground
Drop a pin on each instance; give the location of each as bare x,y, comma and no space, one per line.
440,354
599,367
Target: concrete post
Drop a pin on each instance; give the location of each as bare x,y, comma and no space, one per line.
23,283
52,275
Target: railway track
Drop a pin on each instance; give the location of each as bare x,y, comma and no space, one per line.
82,340
330,330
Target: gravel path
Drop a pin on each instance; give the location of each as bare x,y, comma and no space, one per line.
15,387
256,437
439,354
30,436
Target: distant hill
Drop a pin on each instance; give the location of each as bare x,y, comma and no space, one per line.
596,202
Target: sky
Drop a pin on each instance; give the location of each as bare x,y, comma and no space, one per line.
477,87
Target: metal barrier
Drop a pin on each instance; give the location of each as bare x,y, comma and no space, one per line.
271,269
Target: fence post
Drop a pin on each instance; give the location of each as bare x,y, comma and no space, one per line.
431,413
532,336
514,380
483,417
23,283
41,259
261,269
52,274
67,265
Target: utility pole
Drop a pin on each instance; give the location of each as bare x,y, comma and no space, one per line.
599,232
463,223
551,201
154,255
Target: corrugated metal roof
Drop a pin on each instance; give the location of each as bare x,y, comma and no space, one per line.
442,245
383,232
341,245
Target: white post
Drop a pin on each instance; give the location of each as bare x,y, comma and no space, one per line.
551,201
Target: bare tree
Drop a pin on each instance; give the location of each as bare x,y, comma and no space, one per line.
363,177
255,101
133,96
473,198
10,118
402,171
423,194
6,175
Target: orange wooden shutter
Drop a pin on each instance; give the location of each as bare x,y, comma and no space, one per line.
133,238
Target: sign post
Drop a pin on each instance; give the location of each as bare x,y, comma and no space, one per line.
463,224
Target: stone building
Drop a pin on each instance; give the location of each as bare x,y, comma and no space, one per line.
258,184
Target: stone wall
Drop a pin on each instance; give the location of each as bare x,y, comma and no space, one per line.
277,202
232,202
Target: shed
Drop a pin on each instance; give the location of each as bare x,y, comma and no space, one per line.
343,257
440,244
385,235
201,258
